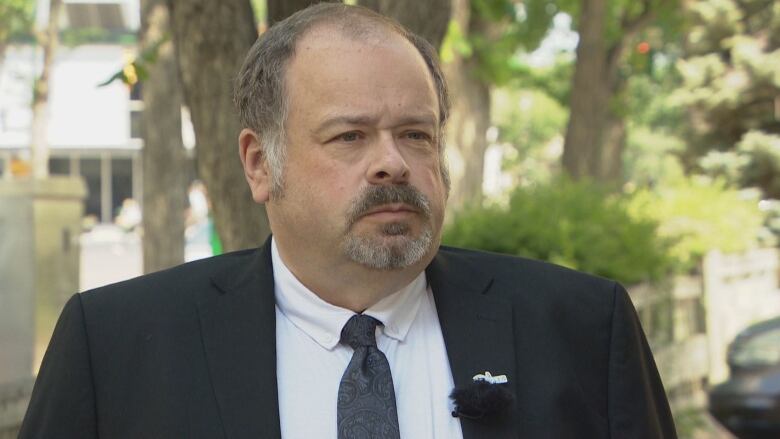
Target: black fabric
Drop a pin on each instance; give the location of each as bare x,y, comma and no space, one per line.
481,399
190,352
366,399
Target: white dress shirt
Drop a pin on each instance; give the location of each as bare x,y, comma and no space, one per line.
310,360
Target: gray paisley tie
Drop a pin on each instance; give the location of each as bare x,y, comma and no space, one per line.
366,401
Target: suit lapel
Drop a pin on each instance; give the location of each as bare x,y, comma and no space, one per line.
238,326
477,330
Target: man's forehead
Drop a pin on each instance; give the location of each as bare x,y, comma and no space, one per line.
358,29
327,56
363,34
328,41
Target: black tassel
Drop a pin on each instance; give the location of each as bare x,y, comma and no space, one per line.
481,399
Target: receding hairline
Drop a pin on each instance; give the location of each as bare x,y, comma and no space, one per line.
379,36
372,29
352,21
368,27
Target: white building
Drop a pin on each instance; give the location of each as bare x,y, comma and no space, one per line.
93,130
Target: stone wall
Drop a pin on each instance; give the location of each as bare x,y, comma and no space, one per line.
40,225
13,403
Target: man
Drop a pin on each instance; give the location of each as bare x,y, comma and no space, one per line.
350,321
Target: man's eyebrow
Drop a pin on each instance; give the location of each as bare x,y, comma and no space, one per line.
419,119
415,119
329,122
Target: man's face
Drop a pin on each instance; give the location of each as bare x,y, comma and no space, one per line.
362,178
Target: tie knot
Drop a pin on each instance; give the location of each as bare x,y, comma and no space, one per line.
360,330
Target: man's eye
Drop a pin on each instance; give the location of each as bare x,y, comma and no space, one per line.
417,135
351,136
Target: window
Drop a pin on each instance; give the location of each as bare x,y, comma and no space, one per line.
758,350
59,166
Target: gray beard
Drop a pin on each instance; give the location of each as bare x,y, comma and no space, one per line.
375,253
393,248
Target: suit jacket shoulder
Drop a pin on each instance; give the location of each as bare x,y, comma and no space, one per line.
167,289
154,355
580,363
546,288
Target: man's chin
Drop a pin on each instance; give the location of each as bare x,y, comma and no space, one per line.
387,251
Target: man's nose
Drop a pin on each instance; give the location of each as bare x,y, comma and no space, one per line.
388,165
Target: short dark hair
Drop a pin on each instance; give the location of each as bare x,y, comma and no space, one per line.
259,92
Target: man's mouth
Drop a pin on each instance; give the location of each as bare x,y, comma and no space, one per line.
388,204
391,211
394,207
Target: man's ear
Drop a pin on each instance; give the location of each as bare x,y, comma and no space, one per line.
255,166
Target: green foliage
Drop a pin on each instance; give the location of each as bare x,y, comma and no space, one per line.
16,19
527,119
642,235
651,157
553,80
578,225
761,154
692,422
455,43
526,22
698,215
530,127
499,29
649,104
755,162
730,83
260,10
714,21
138,69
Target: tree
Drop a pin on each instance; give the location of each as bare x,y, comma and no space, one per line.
596,133
428,19
164,159
278,10
484,37
16,17
211,39
39,142
730,88
470,117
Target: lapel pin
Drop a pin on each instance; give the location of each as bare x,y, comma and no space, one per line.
486,395
498,379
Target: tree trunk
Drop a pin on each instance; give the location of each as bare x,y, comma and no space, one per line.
278,10
428,19
596,134
164,159
39,142
590,95
211,39
469,122
610,168
469,118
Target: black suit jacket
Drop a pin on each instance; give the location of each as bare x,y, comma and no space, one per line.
190,353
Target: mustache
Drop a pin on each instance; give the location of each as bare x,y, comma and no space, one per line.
374,196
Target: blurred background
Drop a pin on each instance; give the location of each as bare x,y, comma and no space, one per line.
634,139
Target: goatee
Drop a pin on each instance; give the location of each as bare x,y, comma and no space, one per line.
392,247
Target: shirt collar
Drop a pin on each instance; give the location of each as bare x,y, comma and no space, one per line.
323,321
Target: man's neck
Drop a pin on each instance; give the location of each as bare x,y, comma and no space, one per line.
347,284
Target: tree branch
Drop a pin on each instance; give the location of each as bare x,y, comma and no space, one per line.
630,28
